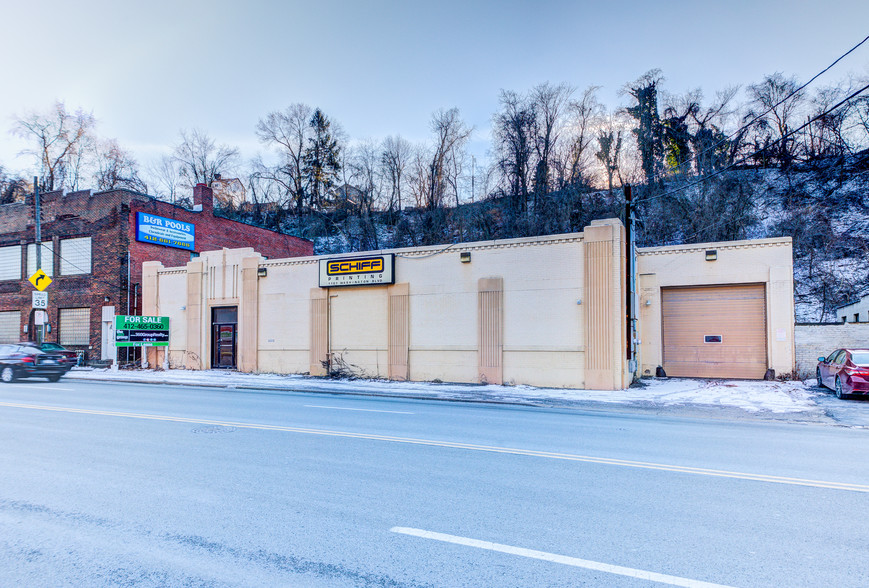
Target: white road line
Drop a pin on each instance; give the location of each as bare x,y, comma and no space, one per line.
38,387
466,446
561,559
357,409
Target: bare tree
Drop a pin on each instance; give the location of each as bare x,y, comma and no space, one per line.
117,168
12,188
165,177
288,133
549,103
825,135
450,136
420,177
58,139
610,146
395,157
200,160
713,149
572,160
513,130
775,102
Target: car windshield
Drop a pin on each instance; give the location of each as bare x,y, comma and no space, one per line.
860,357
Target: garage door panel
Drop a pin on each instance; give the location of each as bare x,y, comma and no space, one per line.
733,316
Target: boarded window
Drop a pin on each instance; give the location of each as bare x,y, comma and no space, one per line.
9,326
75,256
75,326
10,263
47,259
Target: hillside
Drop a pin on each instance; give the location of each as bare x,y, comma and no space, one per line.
823,207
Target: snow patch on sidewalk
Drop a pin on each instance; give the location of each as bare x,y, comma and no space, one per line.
750,396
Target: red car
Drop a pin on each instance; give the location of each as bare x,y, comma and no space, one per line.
846,371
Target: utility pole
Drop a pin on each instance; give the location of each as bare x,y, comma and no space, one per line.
38,223
38,218
629,273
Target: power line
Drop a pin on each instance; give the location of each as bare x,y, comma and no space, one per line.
745,158
774,106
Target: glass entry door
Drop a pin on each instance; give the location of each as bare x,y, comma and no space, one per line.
224,332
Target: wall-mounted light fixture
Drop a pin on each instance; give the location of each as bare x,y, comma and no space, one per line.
106,298
648,302
711,254
465,257
262,272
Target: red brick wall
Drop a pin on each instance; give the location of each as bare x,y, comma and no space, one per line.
109,218
212,233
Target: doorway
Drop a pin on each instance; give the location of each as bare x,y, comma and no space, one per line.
224,334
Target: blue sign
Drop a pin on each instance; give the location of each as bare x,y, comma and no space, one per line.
165,231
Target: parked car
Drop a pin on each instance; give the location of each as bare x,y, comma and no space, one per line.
846,371
70,357
25,361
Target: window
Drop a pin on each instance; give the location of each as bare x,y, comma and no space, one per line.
860,358
75,326
75,256
9,326
856,317
10,263
47,259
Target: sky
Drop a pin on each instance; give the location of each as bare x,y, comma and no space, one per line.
146,70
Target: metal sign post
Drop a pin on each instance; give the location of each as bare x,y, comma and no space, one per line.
144,332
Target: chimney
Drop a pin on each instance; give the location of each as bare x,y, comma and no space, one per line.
203,198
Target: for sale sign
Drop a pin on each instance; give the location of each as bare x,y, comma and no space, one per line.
138,331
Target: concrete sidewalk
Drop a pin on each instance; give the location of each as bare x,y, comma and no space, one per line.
791,401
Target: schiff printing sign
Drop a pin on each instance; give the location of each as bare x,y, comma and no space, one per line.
164,231
373,270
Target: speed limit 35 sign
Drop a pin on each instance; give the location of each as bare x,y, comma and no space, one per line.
40,299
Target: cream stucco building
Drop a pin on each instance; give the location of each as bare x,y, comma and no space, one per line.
543,311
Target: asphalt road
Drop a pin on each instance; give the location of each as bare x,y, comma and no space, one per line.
110,484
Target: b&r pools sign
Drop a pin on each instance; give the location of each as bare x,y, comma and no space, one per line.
165,231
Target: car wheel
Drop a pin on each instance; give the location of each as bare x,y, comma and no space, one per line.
840,394
53,378
7,374
818,375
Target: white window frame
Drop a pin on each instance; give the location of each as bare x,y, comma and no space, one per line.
76,256
77,332
10,326
10,262
47,258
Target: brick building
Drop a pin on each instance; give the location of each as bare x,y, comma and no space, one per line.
93,247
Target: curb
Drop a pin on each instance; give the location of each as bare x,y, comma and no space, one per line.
705,411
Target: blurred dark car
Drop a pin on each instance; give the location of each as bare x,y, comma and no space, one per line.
846,371
70,357
24,361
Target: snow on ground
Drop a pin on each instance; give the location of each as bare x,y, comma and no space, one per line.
749,396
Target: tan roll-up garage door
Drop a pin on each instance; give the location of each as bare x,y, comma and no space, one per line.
715,331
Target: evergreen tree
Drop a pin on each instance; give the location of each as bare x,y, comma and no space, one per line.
649,129
321,162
